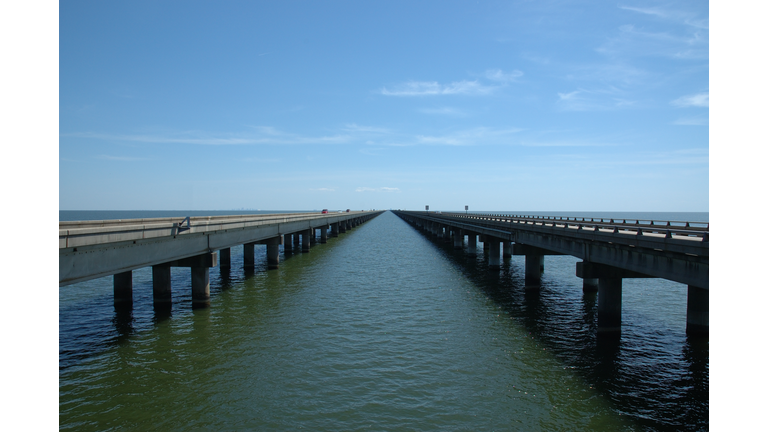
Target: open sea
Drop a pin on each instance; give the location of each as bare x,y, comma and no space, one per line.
380,329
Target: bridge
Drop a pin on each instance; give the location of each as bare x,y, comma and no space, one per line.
610,249
94,249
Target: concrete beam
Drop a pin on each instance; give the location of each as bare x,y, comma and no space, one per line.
588,270
524,249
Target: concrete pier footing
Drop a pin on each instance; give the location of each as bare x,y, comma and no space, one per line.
494,254
697,320
249,260
161,283
324,234
123,287
225,258
305,242
609,305
533,265
472,243
335,229
273,252
287,242
589,285
507,249
201,285
458,239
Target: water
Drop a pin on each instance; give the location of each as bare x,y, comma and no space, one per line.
380,329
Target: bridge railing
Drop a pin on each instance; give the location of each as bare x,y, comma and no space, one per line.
83,233
686,230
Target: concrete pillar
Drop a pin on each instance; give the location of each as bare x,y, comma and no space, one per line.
494,258
273,252
458,239
447,234
123,287
589,285
161,283
343,226
609,305
225,258
472,242
313,236
324,234
201,285
533,270
296,242
507,249
335,229
249,260
698,311
305,243
287,242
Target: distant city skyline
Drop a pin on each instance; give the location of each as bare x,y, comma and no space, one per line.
545,106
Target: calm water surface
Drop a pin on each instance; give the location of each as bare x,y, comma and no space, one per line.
379,329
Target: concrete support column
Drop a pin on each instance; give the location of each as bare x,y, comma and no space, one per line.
287,242
494,258
472,242
343,226
313,236
447,234
123,287
225,258
161,283
533,270
324,234
507,249
589,285
296,242
609,305
201,286
458,239
698,311
335,229
273,253
249,260
305,243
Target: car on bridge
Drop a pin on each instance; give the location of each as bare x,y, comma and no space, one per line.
325,211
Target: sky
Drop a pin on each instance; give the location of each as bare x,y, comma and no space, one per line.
301,105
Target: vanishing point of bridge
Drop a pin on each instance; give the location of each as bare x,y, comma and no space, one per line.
610,249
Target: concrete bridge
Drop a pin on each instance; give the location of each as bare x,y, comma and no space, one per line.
610,249
93,249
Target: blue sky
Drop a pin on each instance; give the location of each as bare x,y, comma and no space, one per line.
298,105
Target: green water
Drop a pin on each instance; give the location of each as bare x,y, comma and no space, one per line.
379,329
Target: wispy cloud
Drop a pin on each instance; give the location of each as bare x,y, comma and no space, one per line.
593,100
476,136
695,100
449,111
691,121
498,75
379,189
264,135
120,158
432,88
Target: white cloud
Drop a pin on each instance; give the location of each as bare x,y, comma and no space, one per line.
498,75
323,190
432,88
443,111
379,189
695,100
121,158
691,121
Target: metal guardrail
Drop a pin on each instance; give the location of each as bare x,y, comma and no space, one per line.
82,233
685,230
